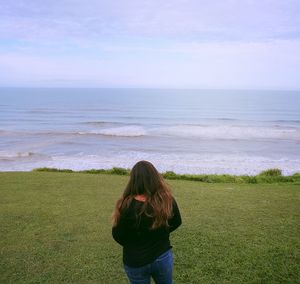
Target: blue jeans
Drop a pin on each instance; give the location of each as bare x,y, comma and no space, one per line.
160,270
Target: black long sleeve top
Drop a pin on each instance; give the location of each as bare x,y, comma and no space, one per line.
142,245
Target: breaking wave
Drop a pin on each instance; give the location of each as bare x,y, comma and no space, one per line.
200,131
229,132
12,156
124,131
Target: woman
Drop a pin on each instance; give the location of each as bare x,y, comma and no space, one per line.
142,220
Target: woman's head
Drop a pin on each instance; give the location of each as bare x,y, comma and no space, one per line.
146,180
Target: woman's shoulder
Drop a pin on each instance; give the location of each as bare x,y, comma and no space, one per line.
174,204
131,208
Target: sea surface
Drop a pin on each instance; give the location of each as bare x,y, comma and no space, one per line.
185,131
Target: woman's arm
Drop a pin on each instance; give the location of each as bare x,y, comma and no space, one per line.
121,231
175,221
118,235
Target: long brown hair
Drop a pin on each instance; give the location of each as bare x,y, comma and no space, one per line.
146,180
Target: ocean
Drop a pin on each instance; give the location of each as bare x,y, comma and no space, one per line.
185,131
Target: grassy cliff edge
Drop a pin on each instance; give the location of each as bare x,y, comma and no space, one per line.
267,176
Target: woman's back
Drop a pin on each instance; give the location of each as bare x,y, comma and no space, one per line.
141,244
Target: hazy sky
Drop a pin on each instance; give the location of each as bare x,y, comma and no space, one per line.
115,43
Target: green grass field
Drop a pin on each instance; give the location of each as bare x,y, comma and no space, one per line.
55,227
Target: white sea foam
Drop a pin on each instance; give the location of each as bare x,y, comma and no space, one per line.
10,155
228,132
183,163
236,164
125,131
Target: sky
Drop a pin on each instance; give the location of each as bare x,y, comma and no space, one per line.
239,44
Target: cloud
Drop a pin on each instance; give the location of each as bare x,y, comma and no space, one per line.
203,20
274,64
178,43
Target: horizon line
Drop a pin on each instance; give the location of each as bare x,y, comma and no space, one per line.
152,88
